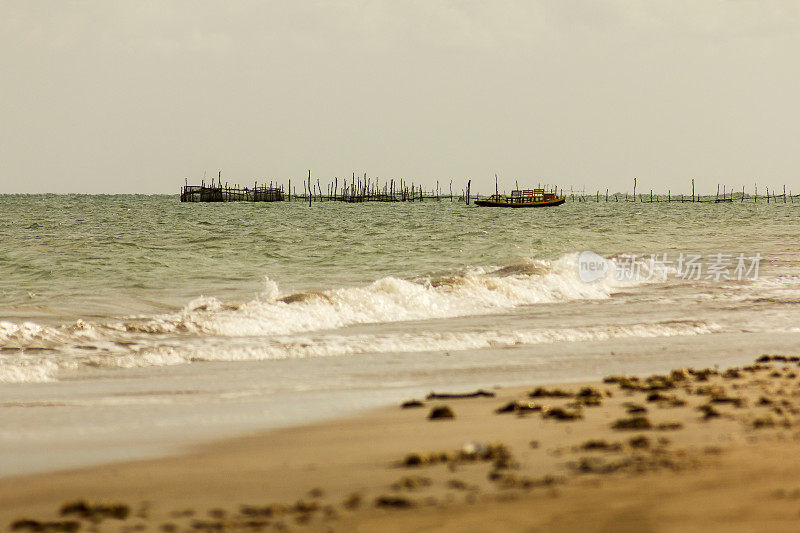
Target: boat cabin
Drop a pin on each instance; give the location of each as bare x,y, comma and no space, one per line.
525,196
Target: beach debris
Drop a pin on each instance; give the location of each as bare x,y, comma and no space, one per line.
265,511
542,392
593,465
733,400
763,422
302,506
718,394
471,449
411,483
659,382
680,374
219,514
710,390
64,526
470,452
587,397
457,484
632,422
732,373
588,394
708,411
441,412
316,492
395,502
519,407
479,452
410,404
353,501
480,393
634,408
600,445
655,382
793,494
95,511
507,480
665,400
534,444
413,459
639,463
778,359
505,461
703,374
560,413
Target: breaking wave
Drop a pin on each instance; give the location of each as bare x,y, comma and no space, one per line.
274,324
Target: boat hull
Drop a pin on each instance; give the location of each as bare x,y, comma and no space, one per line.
543,203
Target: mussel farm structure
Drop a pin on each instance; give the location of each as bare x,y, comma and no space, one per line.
357,189
354,190
219,193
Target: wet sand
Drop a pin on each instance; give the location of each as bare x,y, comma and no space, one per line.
695,449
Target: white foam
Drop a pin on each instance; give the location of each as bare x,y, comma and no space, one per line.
163,340
337,345
391,299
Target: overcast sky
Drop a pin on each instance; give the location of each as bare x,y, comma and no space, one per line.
115,97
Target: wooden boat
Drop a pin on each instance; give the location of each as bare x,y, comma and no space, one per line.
525,198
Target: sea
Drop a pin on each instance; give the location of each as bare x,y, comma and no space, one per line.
134,326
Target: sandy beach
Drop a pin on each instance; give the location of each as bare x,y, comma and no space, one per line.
695,449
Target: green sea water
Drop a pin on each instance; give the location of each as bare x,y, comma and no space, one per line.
64,256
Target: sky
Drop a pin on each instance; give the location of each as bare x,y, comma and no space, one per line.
137,96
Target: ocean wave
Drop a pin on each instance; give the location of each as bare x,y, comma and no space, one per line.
273,315
337,345
33,369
